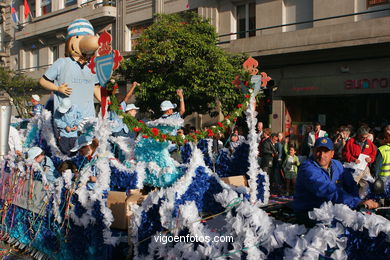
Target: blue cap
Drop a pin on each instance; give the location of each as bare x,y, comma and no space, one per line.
324,142
81,141
80,27
166,104
34,152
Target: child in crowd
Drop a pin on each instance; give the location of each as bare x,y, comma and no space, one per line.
48,169
37,107
87,146
69,165
234,142
67,118
290,167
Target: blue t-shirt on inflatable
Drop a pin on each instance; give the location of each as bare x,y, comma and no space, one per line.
79,78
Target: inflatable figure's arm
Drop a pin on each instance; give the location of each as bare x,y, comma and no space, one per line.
47,84
97,93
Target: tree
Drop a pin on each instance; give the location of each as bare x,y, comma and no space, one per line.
19,87
180,51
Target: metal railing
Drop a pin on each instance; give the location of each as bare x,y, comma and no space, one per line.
32,69
102,3
297,23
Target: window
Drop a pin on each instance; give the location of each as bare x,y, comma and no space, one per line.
53,54
134,33
295,11
1,39
31,4
70,2
246,20
46,7
371,3
34,59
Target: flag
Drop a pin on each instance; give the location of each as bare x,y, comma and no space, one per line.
26,9
14,15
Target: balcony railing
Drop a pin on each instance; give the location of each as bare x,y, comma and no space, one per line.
97,4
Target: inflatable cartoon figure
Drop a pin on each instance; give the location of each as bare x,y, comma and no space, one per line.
70,76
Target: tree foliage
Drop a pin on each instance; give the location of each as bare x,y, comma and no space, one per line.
180,51
19,87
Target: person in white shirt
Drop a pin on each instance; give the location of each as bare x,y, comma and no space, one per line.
314,135
259,128
14,141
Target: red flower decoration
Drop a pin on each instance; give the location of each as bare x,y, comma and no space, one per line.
164,136
246,83
109,102
155,131
115,86
145,136
227,117
235,119
220,124
120,108
185,141
247,96
210,132
239,105
141,121
137,129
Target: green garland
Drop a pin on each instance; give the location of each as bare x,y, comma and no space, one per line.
140,127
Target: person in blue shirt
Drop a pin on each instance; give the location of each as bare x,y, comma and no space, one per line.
37,107
118,128
167,107
87,146
321,179
132,110
67,118
70,76
36,154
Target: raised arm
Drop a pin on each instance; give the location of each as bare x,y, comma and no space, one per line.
131,91
97,93
179,92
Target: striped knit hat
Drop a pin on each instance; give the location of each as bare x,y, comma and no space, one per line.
80,27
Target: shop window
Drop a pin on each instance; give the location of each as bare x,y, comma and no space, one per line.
246,20
295,11
134,33
46,7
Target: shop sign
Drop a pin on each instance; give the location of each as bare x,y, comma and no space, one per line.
367,83
371,3
304,89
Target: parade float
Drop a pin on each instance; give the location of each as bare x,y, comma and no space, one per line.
65,220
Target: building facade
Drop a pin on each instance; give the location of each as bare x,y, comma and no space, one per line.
328,58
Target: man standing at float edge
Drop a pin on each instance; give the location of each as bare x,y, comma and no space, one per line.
321,179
